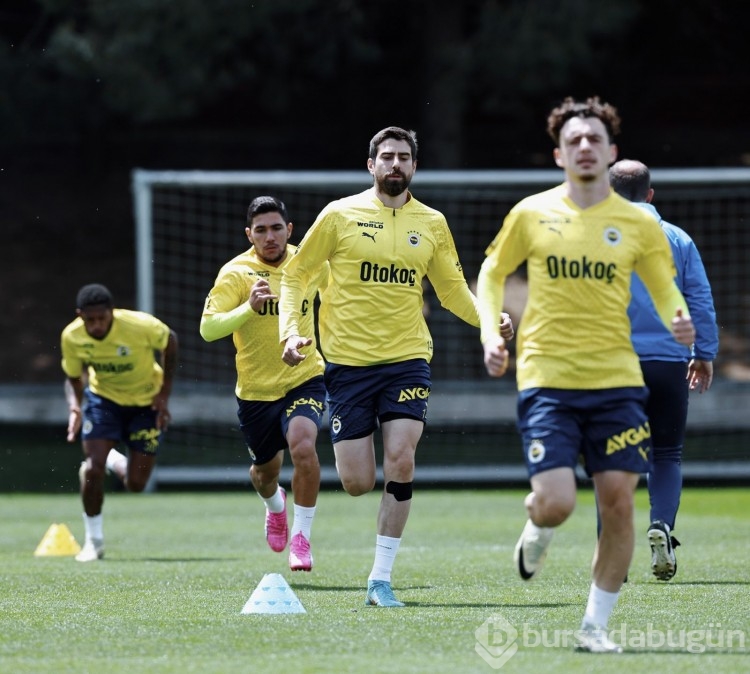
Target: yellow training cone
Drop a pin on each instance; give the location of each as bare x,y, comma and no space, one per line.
57,542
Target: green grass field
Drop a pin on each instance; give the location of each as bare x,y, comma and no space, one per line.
180,566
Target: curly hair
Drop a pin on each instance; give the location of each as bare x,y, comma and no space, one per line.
591,107
94,295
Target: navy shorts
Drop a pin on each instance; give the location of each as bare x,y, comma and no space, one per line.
264,424
603,429
361,397
133,425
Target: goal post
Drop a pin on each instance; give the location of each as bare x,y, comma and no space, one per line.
189,223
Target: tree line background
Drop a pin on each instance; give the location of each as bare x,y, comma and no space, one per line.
92,89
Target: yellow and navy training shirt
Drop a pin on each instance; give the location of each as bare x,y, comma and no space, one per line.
575,331
371,312
121,367
261,374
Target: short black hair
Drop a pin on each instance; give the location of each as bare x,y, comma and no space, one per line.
266,204
92,295
397,133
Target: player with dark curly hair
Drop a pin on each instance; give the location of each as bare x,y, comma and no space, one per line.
581,391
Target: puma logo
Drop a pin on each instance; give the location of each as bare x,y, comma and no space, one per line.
371,236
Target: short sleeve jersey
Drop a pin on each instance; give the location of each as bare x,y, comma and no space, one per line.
122,366
261,374
371,312
575,331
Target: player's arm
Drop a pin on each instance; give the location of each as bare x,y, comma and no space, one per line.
657,273
74,396
311,256
490,295
696,290
160,403
226,309
447,278
504,255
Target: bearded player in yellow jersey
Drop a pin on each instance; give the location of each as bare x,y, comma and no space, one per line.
279,407
380,244
581,390
117,392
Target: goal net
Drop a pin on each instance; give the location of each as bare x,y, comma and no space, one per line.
189,223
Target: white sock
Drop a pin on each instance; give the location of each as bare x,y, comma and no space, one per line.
117,463
303,519
93,527
600,606
386,549
274,504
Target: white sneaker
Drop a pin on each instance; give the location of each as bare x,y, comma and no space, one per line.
115,458
531,549
92,551
594,639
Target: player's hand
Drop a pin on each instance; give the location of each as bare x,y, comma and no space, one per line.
260,293
291,355
74,424
700,375
683,329
163,417
506,327
495,356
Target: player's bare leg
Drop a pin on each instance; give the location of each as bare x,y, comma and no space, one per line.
400,438
265,480
92,482
139,469
549,504
355,464
614,550
301,437
91,474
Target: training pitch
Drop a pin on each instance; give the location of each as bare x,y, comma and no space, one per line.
180,567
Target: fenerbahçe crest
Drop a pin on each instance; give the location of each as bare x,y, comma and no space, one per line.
536,451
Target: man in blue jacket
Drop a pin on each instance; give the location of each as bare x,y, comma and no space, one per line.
670,369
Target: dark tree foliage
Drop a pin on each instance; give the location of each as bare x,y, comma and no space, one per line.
475,78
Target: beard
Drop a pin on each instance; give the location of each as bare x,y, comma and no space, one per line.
272,260
392,187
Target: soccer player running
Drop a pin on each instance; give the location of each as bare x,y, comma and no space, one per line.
278,407
581,390
380,244
117,391
670,370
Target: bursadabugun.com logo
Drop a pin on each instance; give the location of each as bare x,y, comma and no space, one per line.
498,640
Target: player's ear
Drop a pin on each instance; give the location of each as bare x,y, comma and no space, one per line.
558,159
370,165
289,228
612,153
